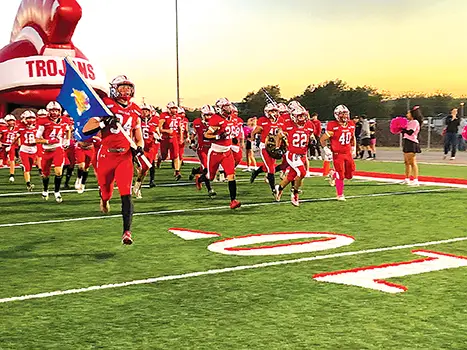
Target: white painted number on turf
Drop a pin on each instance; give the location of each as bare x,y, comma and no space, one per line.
373,276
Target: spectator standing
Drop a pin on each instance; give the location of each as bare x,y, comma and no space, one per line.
358,130
450,138
250,156
411,146
365,137
373,137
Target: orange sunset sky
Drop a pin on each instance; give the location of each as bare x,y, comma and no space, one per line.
231,47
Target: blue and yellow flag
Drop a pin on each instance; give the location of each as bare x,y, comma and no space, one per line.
79,99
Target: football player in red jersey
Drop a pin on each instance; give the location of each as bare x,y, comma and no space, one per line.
41,113
299,132
220,153
28,149
183,132
157,143
69,147
7,138
52,133
341,134
169,125
238,137
115,158
84,156
202,146
267,126
150,135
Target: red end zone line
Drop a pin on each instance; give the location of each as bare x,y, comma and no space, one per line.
372,175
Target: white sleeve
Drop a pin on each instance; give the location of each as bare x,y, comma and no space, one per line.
40,131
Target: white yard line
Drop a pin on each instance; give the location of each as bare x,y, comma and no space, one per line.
246,205
227,269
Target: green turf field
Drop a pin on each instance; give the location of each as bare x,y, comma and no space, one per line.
255,307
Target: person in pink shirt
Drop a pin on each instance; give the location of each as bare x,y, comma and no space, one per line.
411,146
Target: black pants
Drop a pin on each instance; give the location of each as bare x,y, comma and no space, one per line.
450,143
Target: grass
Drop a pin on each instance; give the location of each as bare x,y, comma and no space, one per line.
276,307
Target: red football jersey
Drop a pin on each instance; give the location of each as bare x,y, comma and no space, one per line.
298,137
184,125
200,128
128,116
27,135
238,128
269,127
225,126
8,135
284,118
170,122
155,121
341,140
148,128
51,130
317,127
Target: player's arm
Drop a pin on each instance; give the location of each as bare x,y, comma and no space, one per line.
161,127
39,135
279,137
257,130
138,135
211,133
325,137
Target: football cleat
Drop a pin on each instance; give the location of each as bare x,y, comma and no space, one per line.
105,206
11,179
58,197
177,176
81,189
235,204
277,193
66,187
198,184
341,198
253,176
192,175
212,193
152,184
126,238
294,199
77,183
30,187
45,196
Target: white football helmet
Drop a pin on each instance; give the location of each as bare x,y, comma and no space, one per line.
171,104
234,109
53,105
145,106
9,117
342,114
28,117
271,111
207,110
293,105
119,81
282,107
299,115
180,110
41,113
2,121
223,106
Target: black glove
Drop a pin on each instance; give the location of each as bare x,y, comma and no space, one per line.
111,121
221,136
138,152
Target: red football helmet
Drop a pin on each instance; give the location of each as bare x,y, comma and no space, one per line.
342,114
118,93
271,111
299,115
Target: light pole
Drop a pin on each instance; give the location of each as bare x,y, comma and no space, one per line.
176,52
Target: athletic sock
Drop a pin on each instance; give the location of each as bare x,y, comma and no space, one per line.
85,177
127,212
340,187
152,172
45,182
369,154
28,184
362,153
69,172
233,189
80,173
272,181
208,185
57,182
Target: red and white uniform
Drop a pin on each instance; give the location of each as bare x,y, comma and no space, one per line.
7,137
184,134
85,152
70,146
220,152
115,160
200,127
237,135
270,128
298,138
54,132
341,147
149,129
28,148
170,142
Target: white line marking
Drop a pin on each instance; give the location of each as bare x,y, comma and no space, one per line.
163,212
227,269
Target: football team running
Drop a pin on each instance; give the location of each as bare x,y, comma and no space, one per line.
45,139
